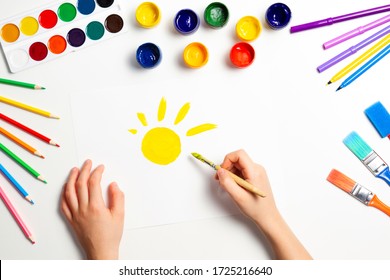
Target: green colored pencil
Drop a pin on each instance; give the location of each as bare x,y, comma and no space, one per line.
27,167
20,84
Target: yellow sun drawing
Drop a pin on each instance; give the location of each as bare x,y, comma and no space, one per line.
162,145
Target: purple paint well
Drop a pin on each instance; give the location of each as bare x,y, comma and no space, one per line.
76,37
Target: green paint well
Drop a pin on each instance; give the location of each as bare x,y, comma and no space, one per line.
95,30
67,12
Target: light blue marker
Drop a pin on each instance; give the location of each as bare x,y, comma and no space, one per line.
365,67
15,183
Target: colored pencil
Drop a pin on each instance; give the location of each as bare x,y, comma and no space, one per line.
354,49
23,164
355,32
27,107
15,184
380,118
332,20
365,67
16,216
28,130
245,184
356,190
370,159
371,51
20,142
20,84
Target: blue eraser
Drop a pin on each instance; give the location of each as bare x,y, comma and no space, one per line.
380,118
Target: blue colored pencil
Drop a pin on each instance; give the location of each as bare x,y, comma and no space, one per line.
15,184
365,67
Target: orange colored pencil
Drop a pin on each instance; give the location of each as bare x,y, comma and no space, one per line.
20,142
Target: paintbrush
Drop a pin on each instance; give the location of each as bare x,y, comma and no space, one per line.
245,184
380,118
356,190
368,156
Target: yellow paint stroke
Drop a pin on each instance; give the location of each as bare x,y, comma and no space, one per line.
161,145
182,113
142,119
162,109
200,128
133,131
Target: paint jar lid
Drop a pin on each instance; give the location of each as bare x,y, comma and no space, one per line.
148,15
248,28
216,15
186,21
242,55
148,55
195,55
278,16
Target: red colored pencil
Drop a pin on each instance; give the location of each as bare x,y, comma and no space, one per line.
28,130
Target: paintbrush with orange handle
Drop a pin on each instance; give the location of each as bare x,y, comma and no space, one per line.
356,190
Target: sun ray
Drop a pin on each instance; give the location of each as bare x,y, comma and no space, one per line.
133,131
182,113
142,119
200,128
162,109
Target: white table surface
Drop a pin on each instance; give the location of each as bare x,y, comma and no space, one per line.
312,121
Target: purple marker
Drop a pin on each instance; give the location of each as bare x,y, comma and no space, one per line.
355,32
353,49
330,21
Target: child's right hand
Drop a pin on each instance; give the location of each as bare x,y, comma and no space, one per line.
259,209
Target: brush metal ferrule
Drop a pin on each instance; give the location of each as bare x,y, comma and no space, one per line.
374,163
362,194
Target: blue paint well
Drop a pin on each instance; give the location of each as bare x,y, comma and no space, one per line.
86,7
278,15
186,21
148,55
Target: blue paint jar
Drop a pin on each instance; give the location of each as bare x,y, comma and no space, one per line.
148,55
186,21
278,16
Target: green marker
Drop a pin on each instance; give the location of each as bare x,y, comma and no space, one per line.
27,167
20,84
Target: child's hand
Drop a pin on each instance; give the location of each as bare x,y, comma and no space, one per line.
262,211
255,207
98,228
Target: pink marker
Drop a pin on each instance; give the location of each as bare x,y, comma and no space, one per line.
16,216
355,32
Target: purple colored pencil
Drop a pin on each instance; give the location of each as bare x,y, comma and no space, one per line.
330,21
355,32
353,49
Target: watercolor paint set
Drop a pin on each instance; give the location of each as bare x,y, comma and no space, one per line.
54,30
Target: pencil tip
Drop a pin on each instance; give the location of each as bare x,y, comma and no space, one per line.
57,145
31,239
329,82
338,88
43,88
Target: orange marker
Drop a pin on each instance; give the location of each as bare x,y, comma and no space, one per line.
20,142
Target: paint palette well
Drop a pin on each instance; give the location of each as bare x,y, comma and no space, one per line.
44,34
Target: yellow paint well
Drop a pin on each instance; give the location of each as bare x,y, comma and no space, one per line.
29,26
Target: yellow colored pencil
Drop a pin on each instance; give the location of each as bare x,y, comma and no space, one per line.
20,142
27,107
371,51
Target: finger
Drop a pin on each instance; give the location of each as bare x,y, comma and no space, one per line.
82,183
116,200
239,160
66,211
69,195
94,186
229,185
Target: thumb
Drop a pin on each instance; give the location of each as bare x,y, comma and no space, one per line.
116,200
227,183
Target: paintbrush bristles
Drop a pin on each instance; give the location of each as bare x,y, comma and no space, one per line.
202,159
340,180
